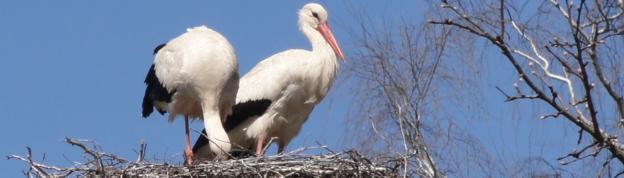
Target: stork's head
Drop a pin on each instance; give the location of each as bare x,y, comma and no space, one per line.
314,15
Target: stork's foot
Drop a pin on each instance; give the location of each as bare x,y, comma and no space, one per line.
188,156
259,152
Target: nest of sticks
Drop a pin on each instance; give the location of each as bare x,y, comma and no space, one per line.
297,163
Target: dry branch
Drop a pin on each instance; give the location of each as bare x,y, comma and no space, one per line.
348,163
577,53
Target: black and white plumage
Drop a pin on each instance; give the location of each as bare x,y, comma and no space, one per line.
240,113
195,75
155,92
294,81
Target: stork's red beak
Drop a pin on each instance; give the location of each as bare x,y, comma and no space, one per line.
329,37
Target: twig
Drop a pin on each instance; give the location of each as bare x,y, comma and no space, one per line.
142,149
96,156
520,96
576,154
268,144
38,168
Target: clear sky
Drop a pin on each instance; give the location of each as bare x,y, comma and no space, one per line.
76,68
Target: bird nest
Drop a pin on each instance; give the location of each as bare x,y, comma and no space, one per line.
297,163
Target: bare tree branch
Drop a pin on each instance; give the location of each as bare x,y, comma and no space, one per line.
588,24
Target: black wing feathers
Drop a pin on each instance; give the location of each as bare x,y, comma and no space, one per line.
158,48
148,106
200,142
245,110
154,91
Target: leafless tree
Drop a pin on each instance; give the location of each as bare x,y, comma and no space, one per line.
566,55
402,80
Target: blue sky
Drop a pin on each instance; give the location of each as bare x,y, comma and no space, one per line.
76,69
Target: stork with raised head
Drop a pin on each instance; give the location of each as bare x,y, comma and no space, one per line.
276,97
194,75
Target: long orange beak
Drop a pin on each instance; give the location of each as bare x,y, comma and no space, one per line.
329,37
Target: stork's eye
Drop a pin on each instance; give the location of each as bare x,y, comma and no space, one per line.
316,16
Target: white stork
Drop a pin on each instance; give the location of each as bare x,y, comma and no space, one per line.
195,75
276,97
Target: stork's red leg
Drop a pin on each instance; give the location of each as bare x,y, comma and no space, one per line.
188,152
260,146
